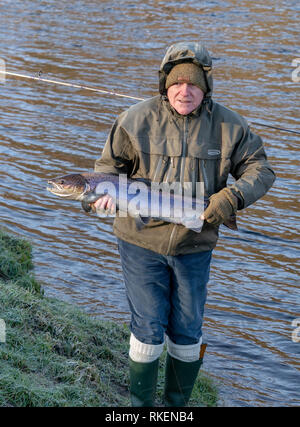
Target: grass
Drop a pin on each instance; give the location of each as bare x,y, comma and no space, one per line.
55,354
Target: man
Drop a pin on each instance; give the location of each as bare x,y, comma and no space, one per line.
181,135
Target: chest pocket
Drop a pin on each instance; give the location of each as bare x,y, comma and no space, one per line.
161,161
155,144
207,161
158,157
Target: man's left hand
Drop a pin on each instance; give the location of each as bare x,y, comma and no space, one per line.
221,206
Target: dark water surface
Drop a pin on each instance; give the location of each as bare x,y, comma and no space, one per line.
49,130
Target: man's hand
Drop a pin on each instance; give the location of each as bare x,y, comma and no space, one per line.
104,206
221,206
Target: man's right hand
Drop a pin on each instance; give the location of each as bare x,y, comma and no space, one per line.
104,206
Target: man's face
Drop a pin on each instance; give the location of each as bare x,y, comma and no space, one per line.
185,97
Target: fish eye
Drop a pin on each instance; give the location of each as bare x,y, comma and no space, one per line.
62,181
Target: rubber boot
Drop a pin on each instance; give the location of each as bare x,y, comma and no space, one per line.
179,380
143,380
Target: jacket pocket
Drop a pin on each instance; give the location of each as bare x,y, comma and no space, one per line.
152,144
159,157
207,160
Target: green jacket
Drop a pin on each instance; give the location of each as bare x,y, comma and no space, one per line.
151,140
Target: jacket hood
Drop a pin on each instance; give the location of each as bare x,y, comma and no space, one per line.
186,52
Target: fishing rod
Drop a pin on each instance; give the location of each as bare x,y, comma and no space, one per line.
106,92
42,79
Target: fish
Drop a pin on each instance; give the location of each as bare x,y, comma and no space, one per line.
139,198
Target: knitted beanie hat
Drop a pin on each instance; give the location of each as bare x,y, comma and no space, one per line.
187,72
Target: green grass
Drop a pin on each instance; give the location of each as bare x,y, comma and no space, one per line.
55,354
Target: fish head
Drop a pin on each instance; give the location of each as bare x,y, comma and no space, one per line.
72,186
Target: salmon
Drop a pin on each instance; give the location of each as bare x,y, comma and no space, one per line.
141,199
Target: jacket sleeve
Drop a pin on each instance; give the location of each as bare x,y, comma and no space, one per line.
251,169
118,155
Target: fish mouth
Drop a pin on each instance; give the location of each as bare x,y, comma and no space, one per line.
58,190
62,191
53,185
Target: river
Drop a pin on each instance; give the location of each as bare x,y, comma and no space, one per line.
49,130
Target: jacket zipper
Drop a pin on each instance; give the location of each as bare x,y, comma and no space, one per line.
194,176
204,176
171,238
181,177
158,168
184,149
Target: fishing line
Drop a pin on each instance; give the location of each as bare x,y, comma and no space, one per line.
106,92
275,127
42,79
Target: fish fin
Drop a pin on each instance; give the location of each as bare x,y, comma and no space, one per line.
194,224
197,230
144,180
86,206
91,197
88,198
141,221
231,223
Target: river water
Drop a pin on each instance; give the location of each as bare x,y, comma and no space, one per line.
48,130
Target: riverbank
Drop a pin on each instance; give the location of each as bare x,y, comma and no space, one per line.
54,354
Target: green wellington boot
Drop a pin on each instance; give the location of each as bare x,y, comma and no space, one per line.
179,380
143,380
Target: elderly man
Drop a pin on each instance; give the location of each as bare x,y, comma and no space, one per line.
181,135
